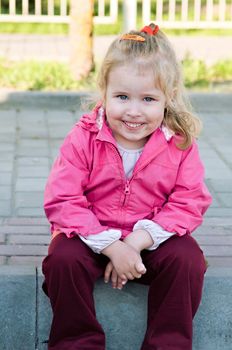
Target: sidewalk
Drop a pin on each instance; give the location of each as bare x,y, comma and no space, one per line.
50,47
32,126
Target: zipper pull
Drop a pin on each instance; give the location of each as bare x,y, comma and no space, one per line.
127,187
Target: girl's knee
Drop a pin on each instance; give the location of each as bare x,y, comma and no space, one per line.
187,254
64,253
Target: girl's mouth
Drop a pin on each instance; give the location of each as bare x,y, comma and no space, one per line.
133,125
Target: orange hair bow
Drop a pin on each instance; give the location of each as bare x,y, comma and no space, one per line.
148,30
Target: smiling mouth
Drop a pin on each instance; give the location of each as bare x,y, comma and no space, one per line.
133,125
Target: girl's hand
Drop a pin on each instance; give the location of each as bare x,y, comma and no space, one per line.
110,271
126,260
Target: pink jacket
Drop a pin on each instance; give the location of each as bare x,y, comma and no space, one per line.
87,191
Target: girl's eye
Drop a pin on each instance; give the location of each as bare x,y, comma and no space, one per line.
122,97
148,99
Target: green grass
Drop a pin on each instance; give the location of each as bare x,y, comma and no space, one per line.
54,76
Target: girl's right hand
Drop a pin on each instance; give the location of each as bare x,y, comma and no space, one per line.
126,260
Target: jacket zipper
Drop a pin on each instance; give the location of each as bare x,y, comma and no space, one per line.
126,191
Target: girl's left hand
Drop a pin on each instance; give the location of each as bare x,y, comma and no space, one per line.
110,271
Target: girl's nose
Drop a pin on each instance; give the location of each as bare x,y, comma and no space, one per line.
134,109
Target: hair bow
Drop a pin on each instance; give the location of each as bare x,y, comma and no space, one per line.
148,30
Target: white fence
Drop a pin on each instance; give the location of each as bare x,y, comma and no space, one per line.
167,13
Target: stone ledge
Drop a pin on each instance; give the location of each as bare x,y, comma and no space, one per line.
26,310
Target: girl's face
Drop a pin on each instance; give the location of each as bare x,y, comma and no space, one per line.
134,106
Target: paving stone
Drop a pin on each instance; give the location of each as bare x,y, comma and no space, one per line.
5,178
214,239
33,171
21,229
7,147
39,212
36,152
226,199
23,250
37,161
33,116
57,117
5,208
30,184
59,131
219,212
219,251
28,239
33,131
30,143
35,261
215,261
218,221
7,129
2,238
2,260
6,166
213,230
26,221
7,156
221,185
29,199
222,171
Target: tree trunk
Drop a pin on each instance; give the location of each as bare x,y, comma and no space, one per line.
81,38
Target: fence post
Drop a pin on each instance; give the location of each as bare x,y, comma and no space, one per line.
129,15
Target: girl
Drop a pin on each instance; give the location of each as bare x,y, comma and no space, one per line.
123,197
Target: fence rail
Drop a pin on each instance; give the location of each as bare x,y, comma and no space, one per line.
167,13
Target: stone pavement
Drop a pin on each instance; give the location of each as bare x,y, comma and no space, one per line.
33,125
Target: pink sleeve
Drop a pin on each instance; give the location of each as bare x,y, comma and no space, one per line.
65,204
184,209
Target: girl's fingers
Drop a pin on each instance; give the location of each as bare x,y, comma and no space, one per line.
108,272
130,276
114,278
140,268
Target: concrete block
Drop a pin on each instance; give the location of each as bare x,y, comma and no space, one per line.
29,239
124,313
33,171
15,221
5,193
17,305
5,208
35,261
21,229
212,326
33,161
30,212
29,199
219,212
23,250
5,178
30,184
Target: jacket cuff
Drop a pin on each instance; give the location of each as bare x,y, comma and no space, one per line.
100,241
158,234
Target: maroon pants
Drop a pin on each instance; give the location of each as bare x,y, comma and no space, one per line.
175,273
